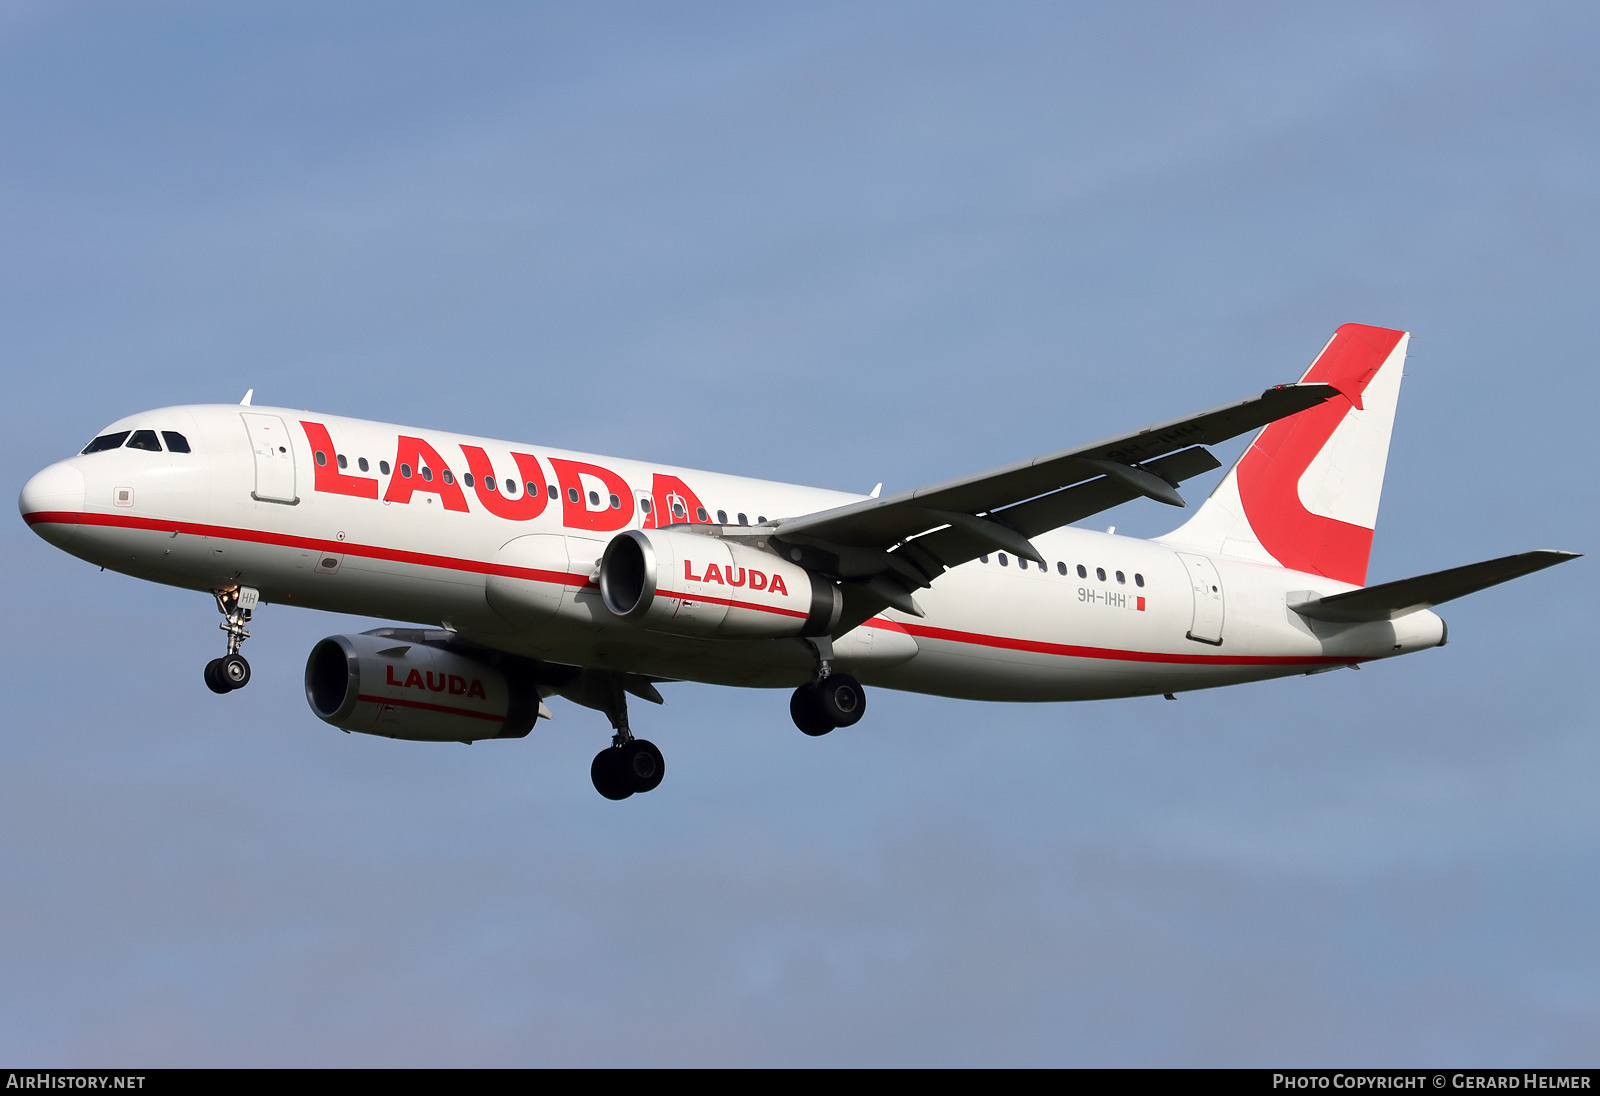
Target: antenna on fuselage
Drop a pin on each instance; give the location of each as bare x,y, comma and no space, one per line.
248,392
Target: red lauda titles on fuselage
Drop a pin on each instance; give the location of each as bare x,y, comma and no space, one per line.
749,578
420,469
453,684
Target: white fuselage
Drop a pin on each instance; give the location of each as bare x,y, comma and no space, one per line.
261,500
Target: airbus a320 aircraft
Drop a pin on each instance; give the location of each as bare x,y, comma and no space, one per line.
534,572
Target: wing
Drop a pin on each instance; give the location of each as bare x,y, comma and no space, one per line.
882,549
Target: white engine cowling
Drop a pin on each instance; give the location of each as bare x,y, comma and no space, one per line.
695,585
400,688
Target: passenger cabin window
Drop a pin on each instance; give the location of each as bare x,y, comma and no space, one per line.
700,513
427,474
144,439
594,498
342,462
1002,558
1061,568
572,494
511,488
361,463
1083,572
176,442
742,521
107,441
466,478
1100,573
644,506
488,483
405,471
322,458
722,517
1122,579
1138,579
552,491
383,467
448,478
616,503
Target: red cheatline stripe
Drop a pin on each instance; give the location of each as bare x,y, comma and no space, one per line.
1070,651
453,563
333,547
442,708
730,603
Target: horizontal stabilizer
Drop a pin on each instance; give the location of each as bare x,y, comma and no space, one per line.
1395,599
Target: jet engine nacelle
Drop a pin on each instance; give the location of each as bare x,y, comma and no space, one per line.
696,585
403,688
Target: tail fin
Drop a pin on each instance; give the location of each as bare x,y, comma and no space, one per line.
1305,494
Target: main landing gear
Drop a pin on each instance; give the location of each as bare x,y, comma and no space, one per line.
832,700
629,764
231,671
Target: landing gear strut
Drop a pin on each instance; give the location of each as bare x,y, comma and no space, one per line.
231,671
629,764
832,700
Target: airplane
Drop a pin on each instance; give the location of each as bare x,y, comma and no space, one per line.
525,572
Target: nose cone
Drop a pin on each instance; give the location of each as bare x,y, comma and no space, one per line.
51,501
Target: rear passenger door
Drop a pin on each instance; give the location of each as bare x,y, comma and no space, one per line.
1207,589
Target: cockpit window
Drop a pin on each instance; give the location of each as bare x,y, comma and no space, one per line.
144,439
107,441
176,442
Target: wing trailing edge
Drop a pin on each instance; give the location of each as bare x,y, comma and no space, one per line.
882,549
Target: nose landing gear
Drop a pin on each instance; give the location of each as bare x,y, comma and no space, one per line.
231,671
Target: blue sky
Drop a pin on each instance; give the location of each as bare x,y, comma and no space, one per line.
834,244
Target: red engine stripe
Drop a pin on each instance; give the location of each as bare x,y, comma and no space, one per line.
731,603
443,709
